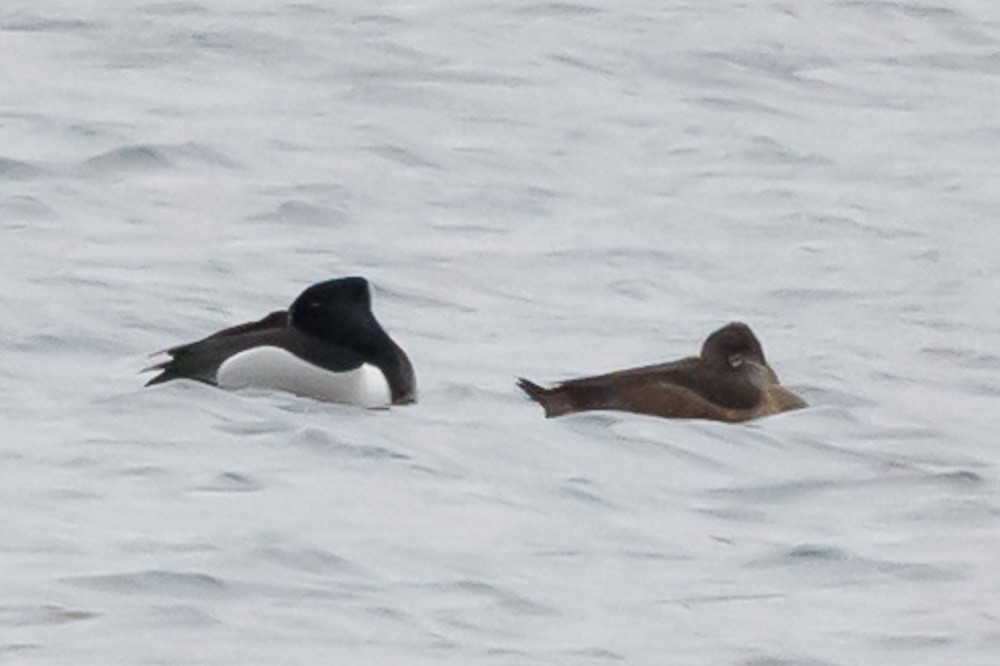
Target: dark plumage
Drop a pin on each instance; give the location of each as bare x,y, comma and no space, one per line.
330,326
729,381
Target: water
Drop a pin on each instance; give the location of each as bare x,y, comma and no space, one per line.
539,189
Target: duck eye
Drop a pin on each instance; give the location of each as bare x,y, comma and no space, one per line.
735,360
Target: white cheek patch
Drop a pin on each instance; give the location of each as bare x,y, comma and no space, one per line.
274,368
735,360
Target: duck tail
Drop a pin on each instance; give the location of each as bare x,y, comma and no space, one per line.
161,368
553,400
185,362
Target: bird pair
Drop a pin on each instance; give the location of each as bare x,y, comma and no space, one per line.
329,346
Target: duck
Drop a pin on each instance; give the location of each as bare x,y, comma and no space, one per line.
729,381
327,346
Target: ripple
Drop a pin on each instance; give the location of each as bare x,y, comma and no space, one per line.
780,491
787,661
232,482
913,10
847,567
478,594
303,213
173,8
253,427
558,9
17,170
603,654
310,560
402,156
315,438
765,150
803,296
740,104
584,490
181,615
915,641
46,24
725,599
148,157
158,582
22,616
579,63
24,208
130,158
964,357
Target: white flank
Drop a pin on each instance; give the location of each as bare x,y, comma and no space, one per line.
276,369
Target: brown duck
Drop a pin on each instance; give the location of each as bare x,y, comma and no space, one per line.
729,381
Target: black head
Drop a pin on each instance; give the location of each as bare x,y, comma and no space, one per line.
731,347
339,313
326,308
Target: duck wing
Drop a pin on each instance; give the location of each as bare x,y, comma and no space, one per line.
200,360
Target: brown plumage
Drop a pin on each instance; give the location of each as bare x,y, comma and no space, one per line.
730,381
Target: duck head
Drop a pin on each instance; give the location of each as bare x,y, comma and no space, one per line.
734,348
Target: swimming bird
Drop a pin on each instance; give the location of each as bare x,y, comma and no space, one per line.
729,381
327,345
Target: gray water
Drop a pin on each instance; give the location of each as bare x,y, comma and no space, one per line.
545,189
